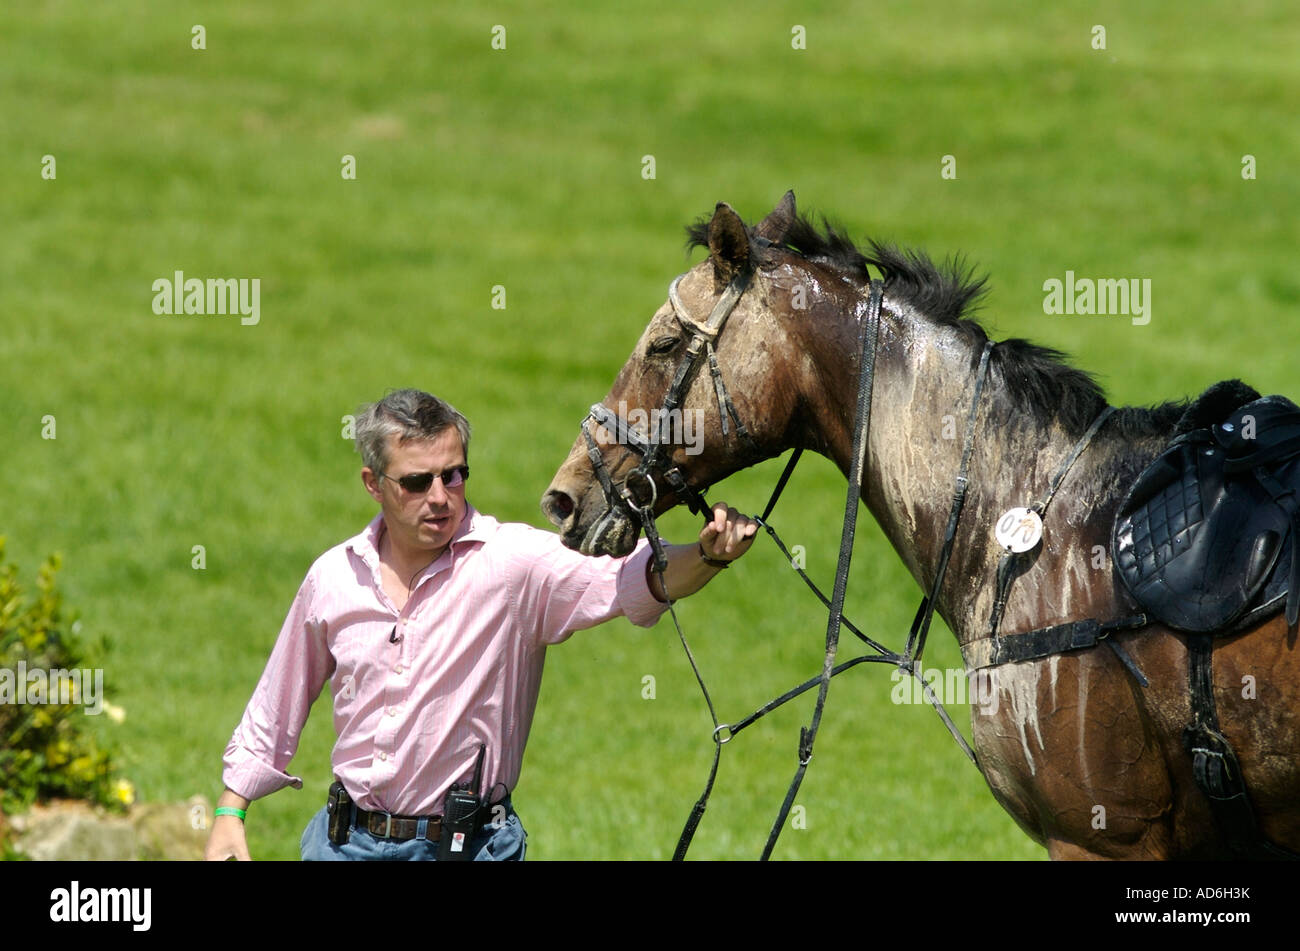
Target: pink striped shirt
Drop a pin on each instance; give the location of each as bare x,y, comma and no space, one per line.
466,668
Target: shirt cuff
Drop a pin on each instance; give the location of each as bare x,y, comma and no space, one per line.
252,778
639,604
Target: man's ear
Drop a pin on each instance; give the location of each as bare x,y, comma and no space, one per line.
371,482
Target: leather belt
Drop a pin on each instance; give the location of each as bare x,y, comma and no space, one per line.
398,828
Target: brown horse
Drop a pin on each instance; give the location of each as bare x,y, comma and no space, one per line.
1088,762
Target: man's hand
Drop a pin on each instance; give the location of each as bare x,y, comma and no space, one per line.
226,840
728,534
725,538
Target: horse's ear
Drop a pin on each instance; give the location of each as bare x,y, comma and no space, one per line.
728,243
777,224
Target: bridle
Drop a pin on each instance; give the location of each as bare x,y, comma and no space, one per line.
638,493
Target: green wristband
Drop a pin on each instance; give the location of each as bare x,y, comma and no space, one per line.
230,811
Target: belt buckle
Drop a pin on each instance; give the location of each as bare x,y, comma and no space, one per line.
388,825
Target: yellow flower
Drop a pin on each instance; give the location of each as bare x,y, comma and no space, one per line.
124,790
115,713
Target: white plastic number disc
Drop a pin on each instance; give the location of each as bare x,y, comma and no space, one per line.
1018,530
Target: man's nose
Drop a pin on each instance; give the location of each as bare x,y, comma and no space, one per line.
437,491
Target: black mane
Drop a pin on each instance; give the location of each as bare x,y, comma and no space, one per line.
1037,378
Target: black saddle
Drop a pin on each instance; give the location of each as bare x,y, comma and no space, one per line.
1205,541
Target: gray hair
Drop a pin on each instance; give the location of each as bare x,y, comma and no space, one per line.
406,414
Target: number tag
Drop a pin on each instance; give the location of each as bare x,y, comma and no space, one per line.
1019,530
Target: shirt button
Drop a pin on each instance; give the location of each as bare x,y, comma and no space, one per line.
392,711
383,756
398,669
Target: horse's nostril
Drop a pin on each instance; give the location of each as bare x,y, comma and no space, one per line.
557,506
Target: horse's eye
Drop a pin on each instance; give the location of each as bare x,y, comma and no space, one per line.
662,345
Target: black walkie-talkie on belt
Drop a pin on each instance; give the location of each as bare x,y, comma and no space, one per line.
462,816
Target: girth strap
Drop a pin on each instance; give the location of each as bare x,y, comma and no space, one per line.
1215,765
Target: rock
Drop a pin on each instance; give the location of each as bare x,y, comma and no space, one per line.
173,830
66,830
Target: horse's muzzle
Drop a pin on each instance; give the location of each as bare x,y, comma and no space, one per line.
612,532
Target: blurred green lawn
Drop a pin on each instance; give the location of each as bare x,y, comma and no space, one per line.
522,167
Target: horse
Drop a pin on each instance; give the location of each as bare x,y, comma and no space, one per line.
1075,735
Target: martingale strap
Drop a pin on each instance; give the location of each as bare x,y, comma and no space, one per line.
725,732
882,656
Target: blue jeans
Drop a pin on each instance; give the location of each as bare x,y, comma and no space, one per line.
504,841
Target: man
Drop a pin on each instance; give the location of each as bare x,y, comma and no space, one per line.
431,626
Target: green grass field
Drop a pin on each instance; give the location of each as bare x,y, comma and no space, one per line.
522,167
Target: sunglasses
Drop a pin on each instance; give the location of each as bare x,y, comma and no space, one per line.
419,482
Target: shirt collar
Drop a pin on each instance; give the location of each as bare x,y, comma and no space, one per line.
474,527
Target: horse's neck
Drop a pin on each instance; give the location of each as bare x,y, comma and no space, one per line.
925,384
924,388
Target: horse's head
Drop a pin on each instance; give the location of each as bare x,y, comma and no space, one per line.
709,389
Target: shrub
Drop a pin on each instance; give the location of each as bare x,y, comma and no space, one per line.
46,748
